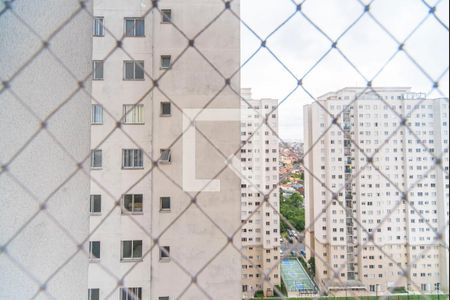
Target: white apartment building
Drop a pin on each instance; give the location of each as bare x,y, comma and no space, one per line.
375,227
260,169
137,194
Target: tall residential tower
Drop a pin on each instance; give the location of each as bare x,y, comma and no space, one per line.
260,195
151,236
377,209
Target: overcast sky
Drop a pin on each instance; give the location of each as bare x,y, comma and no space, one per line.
299,46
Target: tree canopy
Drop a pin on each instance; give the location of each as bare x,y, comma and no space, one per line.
292,209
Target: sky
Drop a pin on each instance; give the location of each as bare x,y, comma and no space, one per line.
299,46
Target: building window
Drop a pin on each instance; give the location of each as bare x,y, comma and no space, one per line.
93,294
96,204
166,109
133,114
166,61
97,70
132,159
98,29
166,156
134,27
164,253
131,293
165,203
96,159
131,250
133,203
163,298
96,114
133,70
94,250
166,15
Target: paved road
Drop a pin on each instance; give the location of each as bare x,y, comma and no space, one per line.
287,247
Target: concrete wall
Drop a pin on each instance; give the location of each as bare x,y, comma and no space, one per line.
42,252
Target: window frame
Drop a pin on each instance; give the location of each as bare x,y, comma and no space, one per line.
90,297
94,70
132,159
93,258
135,20
166,18
163,103
92,204
102,27
132,258
129,294
94,108
136,110
93,159
162,255
133,211
161,201
163,57
167,161
136,63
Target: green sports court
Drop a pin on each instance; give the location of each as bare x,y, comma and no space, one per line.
295,277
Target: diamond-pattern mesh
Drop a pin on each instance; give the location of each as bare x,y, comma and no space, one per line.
432,12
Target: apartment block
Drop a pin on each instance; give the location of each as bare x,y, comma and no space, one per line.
150,237
377,208
260,195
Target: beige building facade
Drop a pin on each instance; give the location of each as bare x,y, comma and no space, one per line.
150,237
260,195
380,219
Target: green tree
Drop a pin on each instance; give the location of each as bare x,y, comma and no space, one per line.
292,209
312,266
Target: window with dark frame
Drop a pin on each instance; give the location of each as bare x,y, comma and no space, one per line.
133,203
164,253
134,27
166,109
165,203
